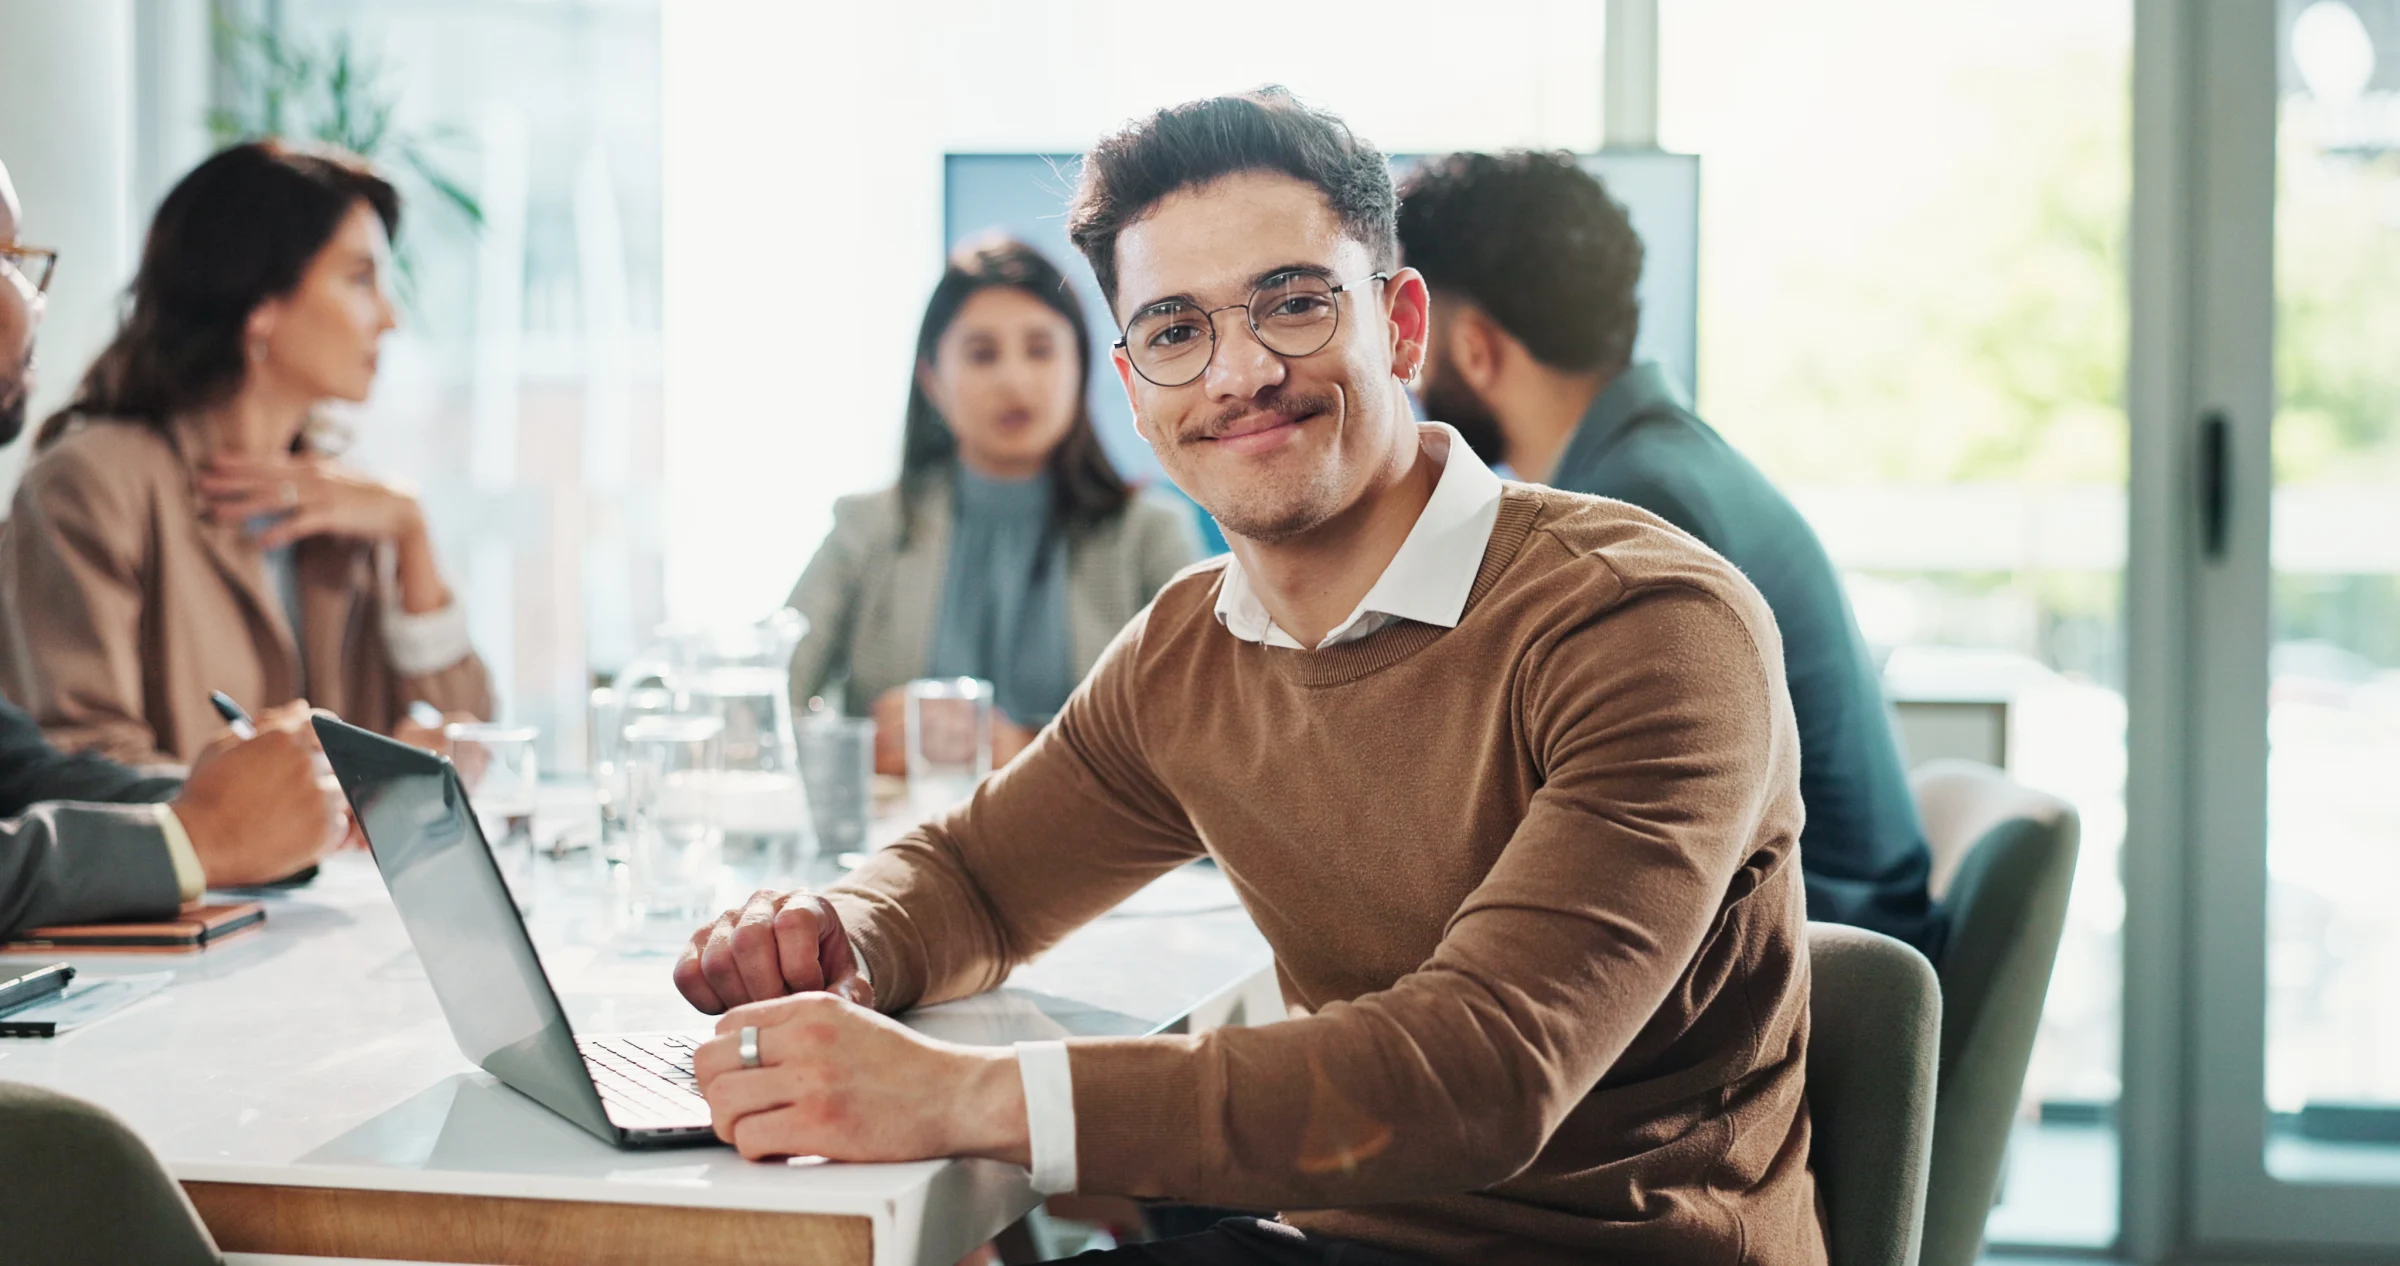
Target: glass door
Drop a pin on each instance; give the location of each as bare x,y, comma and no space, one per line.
2333,719
1912,312
2296,1070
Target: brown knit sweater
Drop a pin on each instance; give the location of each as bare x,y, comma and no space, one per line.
1532,885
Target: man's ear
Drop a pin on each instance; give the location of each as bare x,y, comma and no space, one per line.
1117,357
1408,308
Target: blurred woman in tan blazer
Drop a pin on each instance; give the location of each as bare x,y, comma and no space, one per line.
183,526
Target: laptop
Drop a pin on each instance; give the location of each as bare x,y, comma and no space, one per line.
634,1089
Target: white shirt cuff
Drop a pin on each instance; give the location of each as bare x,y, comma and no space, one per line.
860,959
427,642
1049,1114
190,880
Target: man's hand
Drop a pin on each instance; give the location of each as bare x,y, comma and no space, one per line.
774,944
256,811
839,1081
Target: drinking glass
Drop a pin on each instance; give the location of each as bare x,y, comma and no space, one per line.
611,711
837,758
501,773
676,829
949,723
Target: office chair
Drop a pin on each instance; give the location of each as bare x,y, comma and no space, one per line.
77,1186
1875,1022
2003,861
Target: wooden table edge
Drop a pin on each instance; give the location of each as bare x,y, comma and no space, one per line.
515,1230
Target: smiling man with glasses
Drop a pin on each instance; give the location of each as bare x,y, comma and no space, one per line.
1507,777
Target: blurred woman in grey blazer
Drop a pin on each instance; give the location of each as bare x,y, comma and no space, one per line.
1010,549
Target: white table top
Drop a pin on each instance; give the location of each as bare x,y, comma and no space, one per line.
312,1053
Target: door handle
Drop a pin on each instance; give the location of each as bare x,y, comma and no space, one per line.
2216,482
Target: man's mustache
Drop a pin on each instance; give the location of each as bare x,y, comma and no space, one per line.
1290,406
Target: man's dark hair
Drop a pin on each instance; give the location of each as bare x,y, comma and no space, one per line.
1132,170
1536,242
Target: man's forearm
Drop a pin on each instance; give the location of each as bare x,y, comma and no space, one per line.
990,1107
71,863
32,772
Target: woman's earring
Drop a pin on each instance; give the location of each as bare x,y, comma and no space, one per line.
258,351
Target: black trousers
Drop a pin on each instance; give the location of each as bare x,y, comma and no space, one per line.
1244,1242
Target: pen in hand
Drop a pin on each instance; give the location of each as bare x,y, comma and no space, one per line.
239,722
235,718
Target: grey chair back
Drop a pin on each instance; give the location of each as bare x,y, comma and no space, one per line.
2003,862
1874,1028
76,1185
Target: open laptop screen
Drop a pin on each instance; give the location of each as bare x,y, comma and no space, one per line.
456,907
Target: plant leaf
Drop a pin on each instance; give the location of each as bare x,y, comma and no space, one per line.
333,93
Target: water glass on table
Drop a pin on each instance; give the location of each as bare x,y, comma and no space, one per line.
502,776
611,710
675,825
949,722
837,759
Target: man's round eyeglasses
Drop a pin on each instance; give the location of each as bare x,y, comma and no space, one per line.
1293,313
33,263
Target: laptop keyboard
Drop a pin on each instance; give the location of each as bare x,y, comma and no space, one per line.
645,1080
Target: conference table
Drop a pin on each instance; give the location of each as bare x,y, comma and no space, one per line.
301,1083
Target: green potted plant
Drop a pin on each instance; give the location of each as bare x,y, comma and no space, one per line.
331,94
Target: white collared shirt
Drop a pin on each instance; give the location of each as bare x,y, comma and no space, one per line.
1427,581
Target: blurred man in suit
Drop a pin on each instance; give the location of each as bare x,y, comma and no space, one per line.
1533,268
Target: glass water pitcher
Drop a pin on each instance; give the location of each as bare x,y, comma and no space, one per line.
741,675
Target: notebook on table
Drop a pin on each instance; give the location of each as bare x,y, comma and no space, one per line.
194,928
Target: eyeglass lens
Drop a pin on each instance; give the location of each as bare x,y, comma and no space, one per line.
1293,315
33,266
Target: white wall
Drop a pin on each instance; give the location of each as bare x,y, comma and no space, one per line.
801,220
803,153
66,133
103,105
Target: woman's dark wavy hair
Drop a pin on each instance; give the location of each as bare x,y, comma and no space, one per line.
240,229
1085,490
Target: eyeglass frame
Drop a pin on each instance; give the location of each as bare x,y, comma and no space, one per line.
1125,332
14,254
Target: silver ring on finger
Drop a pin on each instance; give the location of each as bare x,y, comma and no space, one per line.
289,492
749,1047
